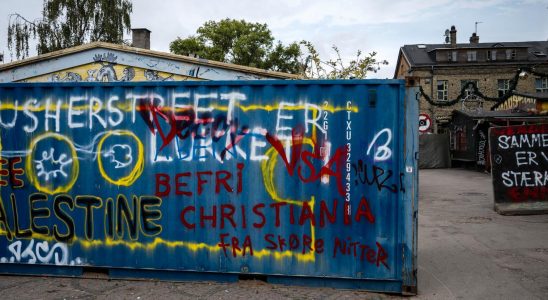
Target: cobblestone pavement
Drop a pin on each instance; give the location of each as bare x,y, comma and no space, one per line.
23,287
466,251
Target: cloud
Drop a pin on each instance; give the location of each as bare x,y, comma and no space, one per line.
381,26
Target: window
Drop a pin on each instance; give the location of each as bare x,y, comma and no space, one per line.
491,54
510,53
462,141
458,139
503,86
541,85
471,55
452,56
442,90
468,84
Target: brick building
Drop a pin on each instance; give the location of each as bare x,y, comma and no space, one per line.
445,69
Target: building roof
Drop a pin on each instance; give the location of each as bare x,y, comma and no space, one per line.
173,61
424,54
493,115
539,96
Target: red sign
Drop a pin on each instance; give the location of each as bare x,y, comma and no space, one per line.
424,123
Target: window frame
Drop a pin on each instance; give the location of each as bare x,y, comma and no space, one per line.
444,92
491,55
462,140
510,54
501,91
454,56
472,55
541,84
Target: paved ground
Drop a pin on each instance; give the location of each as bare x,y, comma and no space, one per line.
466,251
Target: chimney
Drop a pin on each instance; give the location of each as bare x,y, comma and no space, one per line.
474,39
140,38
453,36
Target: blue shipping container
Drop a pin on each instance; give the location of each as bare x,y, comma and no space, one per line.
306,182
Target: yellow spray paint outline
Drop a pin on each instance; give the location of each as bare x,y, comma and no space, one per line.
267,168
139,165
30,169
128,108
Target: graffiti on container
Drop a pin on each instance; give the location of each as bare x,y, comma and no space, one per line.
204,171
378,177
40,252
52,166
13,174
120,155
383,151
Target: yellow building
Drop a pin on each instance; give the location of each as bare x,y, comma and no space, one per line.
107,62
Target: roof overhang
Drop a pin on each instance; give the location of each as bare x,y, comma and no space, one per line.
149,53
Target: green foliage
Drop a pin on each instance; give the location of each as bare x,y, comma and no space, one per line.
315,67
285,59
252,44
239,42
69,23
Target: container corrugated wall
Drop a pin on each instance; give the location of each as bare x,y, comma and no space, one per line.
311,182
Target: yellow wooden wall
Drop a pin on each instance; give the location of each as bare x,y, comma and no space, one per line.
107,72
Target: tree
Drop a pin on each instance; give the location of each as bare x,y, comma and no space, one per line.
314,67
239,42
252,44
69,23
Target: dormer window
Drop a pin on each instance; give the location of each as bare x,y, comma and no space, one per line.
471,55
510,53
452,56
491,54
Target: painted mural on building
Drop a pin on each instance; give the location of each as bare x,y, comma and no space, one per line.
203,177
106,69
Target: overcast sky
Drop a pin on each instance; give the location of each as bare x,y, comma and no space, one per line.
381,26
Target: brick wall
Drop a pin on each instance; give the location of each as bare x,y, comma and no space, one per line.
487,78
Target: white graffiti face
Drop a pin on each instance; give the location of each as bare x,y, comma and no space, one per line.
120,155
91,75
50,166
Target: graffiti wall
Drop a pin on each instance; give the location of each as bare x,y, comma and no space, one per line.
106,69
294,178
520,167
113,63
